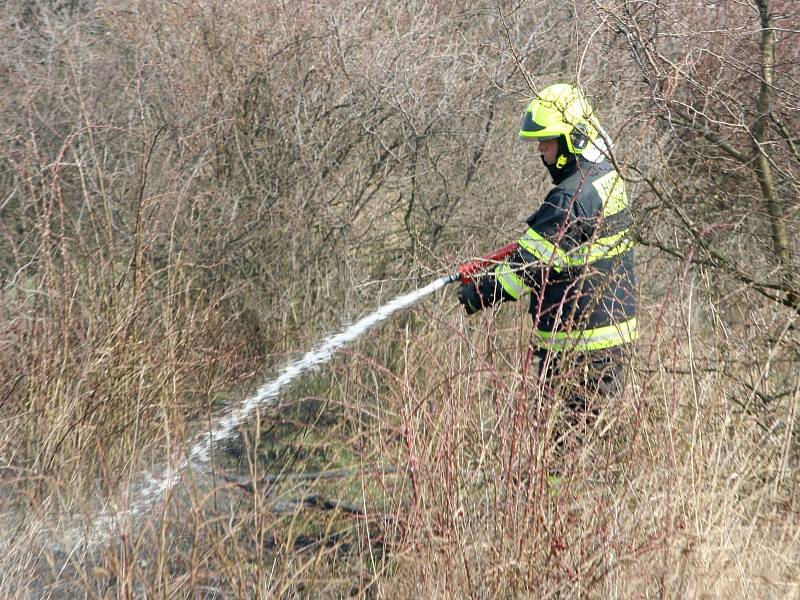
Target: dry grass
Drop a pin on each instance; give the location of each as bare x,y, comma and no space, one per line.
192,194
687,488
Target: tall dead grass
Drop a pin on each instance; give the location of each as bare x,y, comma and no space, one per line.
193,193
678,492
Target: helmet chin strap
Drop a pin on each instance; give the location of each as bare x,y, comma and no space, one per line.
564,155
565,162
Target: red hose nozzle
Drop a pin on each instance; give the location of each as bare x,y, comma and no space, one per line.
467,270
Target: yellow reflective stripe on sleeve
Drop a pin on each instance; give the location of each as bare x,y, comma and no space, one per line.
543,249
589,339
598,249
611,188
511,282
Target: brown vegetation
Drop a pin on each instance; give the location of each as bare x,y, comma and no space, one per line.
192,192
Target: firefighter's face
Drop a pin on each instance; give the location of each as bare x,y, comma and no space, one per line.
549,151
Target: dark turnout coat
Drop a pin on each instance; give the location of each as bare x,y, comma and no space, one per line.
576,262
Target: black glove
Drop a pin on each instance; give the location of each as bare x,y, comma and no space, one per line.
470,298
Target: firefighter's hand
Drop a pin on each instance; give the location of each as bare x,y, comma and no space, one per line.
470,298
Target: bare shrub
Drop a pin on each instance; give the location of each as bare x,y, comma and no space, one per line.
190,191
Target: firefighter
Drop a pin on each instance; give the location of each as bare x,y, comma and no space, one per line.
575,260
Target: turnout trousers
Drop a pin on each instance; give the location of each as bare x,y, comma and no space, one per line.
584,383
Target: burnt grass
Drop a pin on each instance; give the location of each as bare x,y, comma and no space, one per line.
299,460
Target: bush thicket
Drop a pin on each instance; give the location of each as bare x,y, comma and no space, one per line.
191,193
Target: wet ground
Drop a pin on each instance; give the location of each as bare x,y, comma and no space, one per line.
301,470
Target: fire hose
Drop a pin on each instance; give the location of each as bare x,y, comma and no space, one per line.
466,272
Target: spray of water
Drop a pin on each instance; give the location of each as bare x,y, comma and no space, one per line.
153,488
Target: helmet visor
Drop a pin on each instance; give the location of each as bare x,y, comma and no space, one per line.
530,129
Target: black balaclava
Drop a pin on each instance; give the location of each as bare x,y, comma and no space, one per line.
565,158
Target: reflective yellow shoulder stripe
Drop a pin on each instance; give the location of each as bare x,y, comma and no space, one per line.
559,260
589,339
511,282
611,188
